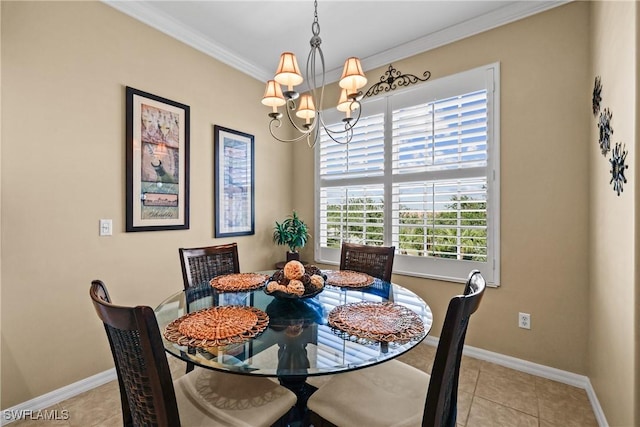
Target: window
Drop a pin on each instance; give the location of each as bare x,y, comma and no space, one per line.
422,174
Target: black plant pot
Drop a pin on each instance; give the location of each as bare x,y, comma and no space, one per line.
291,256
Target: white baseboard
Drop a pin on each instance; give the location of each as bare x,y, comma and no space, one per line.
575,380
56,396
580,381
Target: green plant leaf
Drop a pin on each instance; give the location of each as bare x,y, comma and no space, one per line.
292,232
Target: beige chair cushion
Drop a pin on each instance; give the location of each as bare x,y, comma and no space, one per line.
206,397
391,394
319,381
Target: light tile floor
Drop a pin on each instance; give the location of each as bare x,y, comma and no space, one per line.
489,396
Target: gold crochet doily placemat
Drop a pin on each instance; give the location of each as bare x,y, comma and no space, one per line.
238,282
217,326
387,322
349,279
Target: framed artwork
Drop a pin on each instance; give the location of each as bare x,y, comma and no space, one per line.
157,155
233,182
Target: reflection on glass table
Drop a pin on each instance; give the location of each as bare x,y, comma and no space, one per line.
298,341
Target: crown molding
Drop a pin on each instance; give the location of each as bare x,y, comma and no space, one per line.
171,27
167,25
489,21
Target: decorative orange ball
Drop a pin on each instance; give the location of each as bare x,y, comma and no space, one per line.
317,281
295,287
293,270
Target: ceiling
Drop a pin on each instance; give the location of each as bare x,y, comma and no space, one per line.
250,35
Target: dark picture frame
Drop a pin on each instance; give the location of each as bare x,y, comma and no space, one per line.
157,162
234,182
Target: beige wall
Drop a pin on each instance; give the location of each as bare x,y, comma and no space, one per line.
0,196
64,69
544,206
637,219
612,325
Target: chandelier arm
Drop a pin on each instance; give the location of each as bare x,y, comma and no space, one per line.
316,137
318,49
339,136
344,140
348,125
313,88
289,107
276,123
311,74
273,124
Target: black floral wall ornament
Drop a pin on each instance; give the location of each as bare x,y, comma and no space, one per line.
597,96
619,152
618,156
604,125
393,79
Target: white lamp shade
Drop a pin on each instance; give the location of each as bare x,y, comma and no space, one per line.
307,109
273,95
345,104
288,73
353,77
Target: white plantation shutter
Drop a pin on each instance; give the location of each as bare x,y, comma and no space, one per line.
362,157
440,135
421,173
441,219
352,214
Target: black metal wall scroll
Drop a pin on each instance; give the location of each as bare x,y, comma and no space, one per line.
393,79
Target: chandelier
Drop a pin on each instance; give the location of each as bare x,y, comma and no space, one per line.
309,106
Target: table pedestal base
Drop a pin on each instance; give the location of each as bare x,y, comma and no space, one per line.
299,415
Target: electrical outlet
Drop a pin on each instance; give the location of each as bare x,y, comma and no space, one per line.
106,227
524,320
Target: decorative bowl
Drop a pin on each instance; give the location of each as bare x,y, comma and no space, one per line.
286,295
281,281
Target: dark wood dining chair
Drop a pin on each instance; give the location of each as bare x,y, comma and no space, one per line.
376,261
200,265
150,397
394,393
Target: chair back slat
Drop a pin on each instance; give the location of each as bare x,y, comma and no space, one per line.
442,396
147,393
200,265
377,261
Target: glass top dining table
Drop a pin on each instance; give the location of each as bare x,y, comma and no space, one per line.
298,341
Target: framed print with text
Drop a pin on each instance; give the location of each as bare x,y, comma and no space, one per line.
157,152
233,182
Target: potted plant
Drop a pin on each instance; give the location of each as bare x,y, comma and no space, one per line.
292,232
